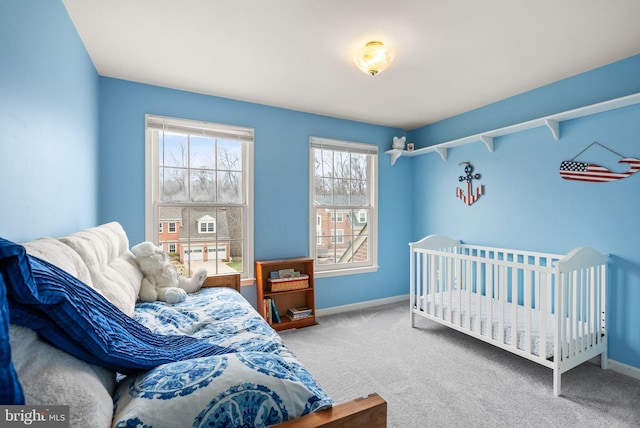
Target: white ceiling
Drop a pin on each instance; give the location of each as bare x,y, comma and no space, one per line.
451,55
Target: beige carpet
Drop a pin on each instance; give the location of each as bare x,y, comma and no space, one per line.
432,376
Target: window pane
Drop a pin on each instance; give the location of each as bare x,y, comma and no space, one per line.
323,160
234,218
341,191
324,191
202,152
341,167
359,192
325,244
174,150
173,185
229,155
203,185
236,262
229,172
230,187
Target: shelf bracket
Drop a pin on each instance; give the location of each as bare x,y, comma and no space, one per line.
488,141
394,156
442,151
554,127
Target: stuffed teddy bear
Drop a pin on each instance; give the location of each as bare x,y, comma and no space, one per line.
398,143
161,281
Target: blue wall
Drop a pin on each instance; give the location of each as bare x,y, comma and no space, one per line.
281,178
526,204
72,156
48,123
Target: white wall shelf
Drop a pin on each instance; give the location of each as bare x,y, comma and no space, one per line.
552,122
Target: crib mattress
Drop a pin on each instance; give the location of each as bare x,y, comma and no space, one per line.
442,310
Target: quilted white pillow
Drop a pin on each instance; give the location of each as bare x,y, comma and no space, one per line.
58,254
112,266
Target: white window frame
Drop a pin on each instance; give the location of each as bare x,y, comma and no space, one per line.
314,235
152,192
209,226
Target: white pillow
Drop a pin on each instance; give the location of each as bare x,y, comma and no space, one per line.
50,376
55,252
112,266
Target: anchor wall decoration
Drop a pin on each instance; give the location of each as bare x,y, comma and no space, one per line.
469,198
584,171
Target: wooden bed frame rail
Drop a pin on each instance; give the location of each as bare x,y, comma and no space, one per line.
231,280
364,412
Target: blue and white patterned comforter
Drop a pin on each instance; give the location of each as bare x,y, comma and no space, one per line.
260,384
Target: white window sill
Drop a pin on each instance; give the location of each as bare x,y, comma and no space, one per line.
347,271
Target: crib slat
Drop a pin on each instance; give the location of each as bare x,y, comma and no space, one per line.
527,309
602,304
564,345
593,299
489,293
451,274
502,280
442,269
590,313
573,315
478,312
514,306
582,309
542,303
430,282
468,284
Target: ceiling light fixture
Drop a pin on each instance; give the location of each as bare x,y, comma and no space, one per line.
373,58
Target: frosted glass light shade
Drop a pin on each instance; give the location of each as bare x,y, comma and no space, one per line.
373,58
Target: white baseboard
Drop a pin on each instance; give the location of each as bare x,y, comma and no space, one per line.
624,369
362,305
619,367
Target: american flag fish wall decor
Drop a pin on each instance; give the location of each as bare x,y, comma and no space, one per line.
590,172
470,197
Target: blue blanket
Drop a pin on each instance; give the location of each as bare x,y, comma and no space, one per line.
77,319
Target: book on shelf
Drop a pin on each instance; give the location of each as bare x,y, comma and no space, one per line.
286,273
270,311
276,316
299,312
266,309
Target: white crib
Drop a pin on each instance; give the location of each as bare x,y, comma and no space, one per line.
556,302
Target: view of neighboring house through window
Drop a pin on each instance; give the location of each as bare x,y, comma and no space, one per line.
343,207
199,184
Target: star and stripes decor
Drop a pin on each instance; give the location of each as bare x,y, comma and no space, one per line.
470,197
590,172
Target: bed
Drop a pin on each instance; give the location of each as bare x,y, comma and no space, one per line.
73,334
548,308
220,399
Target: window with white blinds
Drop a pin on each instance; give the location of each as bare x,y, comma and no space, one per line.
343,206
199,194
